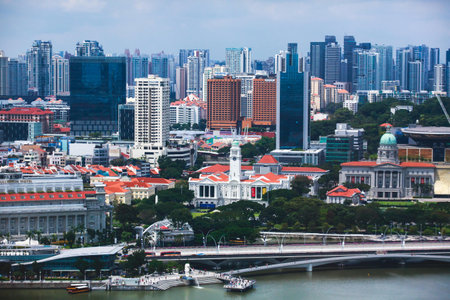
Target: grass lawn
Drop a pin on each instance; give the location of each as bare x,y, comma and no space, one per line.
396,203
197,214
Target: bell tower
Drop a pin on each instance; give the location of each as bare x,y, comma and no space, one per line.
235,162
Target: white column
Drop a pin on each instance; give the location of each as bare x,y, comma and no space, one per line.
47,225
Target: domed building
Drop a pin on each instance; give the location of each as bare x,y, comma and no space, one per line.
387,176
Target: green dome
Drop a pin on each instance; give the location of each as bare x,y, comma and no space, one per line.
235,144
388,139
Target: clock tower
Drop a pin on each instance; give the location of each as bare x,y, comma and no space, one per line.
235,162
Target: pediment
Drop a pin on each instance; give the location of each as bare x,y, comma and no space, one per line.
388,166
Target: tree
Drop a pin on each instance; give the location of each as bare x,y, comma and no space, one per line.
135,261
97,265
125,213
155,266
249,150
343,115
118,162
70,237
301,184
265,145
180,216
361,186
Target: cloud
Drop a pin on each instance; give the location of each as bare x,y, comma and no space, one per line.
86,6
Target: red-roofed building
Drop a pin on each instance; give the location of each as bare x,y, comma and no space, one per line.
29,115
341,193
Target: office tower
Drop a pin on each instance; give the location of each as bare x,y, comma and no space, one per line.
422,53
439,78
4,80
209,73
185,53
349,45
366,70
60,76
415,76
403,57
332,63
267,65
160,65
233,59
317,96
17,77
39,59
224,101
89,48
195,66
246,60
317,59
139,66
385,66
330,39
280,61
97,87
180,81
264,101
434,60
151,118
292,106
246,94
447,71
126,121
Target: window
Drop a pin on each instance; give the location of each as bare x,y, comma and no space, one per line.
212,191
201,190
394,195
387,194
380,194
206,191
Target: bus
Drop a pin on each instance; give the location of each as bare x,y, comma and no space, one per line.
170,253
149,254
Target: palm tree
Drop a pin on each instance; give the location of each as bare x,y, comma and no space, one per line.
38,234
30,236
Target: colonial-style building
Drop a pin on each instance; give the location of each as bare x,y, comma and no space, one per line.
341,193
222,185
387,176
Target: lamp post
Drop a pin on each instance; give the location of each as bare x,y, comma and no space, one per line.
218,244
325,236
205,237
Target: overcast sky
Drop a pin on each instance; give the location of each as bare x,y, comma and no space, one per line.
264,25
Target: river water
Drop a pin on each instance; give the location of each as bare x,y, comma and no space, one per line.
381,283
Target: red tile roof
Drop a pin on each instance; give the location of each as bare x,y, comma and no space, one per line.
26,111
44,196
268,159
360,164
303,169
417,165
342,191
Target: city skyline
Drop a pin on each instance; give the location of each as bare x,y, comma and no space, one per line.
214,25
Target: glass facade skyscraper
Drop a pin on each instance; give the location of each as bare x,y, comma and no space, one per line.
292,105
39,59
97,87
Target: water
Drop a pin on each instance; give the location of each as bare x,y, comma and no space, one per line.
387,283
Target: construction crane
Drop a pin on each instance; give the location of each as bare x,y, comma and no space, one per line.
443,108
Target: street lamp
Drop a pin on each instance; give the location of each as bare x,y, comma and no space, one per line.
205,238
325,236
218,244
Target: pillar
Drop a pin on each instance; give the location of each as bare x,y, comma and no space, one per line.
309,268
47,225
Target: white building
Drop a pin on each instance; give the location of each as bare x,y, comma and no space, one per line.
151,118
189,110
60,76
351,103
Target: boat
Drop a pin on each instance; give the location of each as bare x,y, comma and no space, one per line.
77,288
239,285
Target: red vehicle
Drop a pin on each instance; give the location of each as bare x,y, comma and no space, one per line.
170,253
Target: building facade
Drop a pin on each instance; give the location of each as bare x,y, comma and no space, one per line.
264,101
39,59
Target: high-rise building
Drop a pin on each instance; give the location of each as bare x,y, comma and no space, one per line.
238,60
89,48
39,59
224,103
185,53
181,83
317,94
209,73
126,121
195,66
332,63
415,76
4,80
385,66
246,94
152,118
280,61
403,57
137,66
60,76
422,53
439,78
329,39
317,59
264,104
349,45
434,60
366,77
17,77
97,87
292,106
160,65
447,67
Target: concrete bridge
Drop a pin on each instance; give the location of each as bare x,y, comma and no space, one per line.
309,264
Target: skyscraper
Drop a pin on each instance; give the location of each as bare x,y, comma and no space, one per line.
292,106
60,76
264,101
367,76
246,60
349,45
246,94
422,53
180,91
224,103
447,71
89,48
332,63
160,65
403,57
385,66
317,59
209,73
152,118
185,53
233,59
195,66
4,80
439,78
434,60
415,76
137,66
39,59
97,87
17,77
